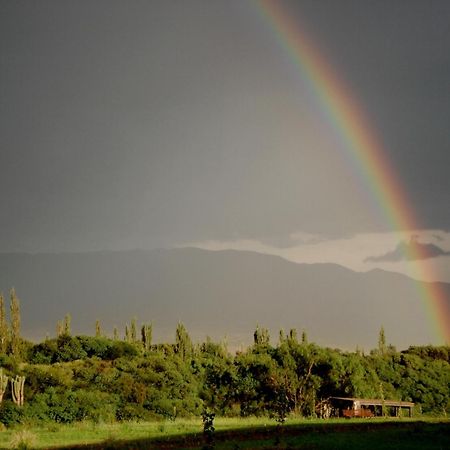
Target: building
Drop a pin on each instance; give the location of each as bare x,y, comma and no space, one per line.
363,407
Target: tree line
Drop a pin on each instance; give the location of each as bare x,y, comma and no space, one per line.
69,377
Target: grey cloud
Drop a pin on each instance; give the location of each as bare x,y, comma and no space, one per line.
410,251
148,124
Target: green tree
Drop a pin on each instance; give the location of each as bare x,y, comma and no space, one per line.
67,323
133,330
382,341
261,337
304,338
183,343
59,328
127,334
146,335
3,326
98,328
293,335
15,322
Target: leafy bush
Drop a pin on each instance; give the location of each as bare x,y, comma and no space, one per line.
99,379
120,349
10,413
69,349
131,411
43,353
96,406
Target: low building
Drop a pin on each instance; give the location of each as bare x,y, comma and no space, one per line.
363,407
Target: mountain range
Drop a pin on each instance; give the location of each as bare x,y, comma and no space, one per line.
222,294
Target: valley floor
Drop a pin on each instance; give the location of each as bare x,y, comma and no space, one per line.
235,434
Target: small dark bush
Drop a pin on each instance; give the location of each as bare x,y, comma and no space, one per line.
120,349
10,413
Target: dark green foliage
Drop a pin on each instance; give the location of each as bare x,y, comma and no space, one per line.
261,337
220,382
73,378
98,328
122,349
208,428
133,330
43,353
146,336
9,363
183,343
66,324
4,330
62,349
15,323
382,341
430,352
69,349
10,413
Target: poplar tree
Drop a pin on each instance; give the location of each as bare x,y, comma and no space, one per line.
67,323
146,333
261,336
98,328
15,322
293,336
3,326
133,330
183,343
304,337
281,337
382,341
59,328
127,334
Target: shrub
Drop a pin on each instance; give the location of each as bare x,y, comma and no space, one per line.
96,406
10,413
95,346
131,411
9,363
69,349
43,353
120,349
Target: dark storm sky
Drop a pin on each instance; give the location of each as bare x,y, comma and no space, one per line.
153,123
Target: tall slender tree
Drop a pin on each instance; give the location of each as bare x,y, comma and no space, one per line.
133,330
146,333
382,341
127,333
304,337
98,328
15,322
183,343
67,324
293,336
59,328
281,337
3,326
261,336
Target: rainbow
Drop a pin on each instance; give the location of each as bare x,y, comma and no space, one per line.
364,148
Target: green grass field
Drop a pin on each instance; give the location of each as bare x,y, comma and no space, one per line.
235,434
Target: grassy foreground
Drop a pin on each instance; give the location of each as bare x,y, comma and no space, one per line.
236,434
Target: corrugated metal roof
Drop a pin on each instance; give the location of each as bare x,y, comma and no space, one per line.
376,402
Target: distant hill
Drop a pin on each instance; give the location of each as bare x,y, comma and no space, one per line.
216,294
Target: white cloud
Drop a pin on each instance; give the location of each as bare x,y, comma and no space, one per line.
351,252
